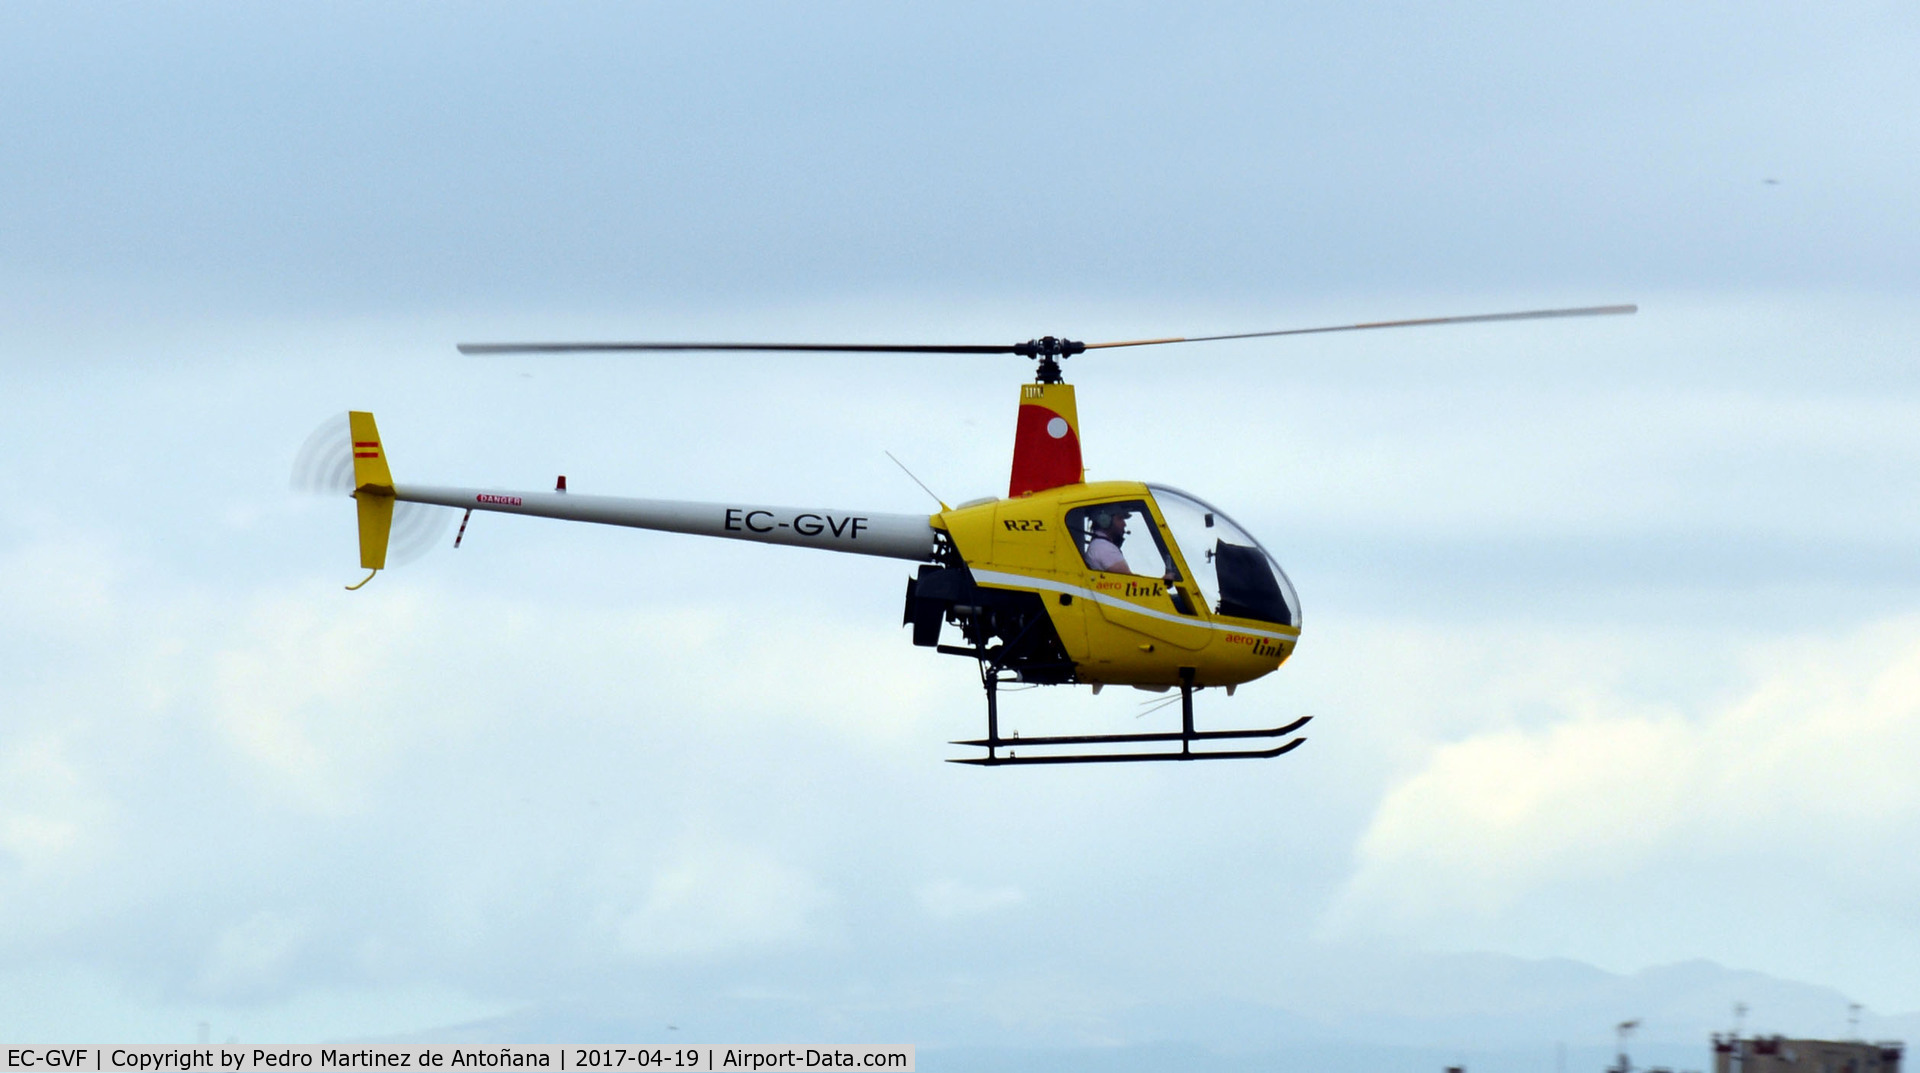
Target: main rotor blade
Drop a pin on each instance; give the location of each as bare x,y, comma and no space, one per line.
595,348
1033,348
1477,318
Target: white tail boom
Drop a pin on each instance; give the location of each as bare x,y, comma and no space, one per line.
893,536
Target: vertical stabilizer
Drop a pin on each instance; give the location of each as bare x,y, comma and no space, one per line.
369,458
1046,442
372,490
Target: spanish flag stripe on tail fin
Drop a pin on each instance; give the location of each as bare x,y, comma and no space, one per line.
372,490
369,458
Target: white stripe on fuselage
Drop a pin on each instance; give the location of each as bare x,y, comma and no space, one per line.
994,577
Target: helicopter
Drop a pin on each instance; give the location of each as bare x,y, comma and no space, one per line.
1062,581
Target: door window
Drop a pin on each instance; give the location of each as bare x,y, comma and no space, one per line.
1120,538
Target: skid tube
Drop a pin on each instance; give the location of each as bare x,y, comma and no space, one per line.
993,743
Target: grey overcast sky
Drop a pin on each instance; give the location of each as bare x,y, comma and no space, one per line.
1612,627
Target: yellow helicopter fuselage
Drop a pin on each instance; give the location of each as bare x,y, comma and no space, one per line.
1117,628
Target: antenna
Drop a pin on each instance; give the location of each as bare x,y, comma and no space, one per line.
1739,1048
916,480
1853,1020
1624,1030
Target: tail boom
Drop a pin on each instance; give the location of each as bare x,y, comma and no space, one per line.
893,536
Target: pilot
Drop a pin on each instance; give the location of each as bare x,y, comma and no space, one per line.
1103,551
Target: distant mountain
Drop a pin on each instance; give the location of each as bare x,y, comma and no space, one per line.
1346,1012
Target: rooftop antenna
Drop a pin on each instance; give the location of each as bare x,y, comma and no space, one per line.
1853,1020
918,481
1739,1048
1624,1030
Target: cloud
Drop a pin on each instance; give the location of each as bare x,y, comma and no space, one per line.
253,954
385,789
947,899
538,764
298,695
60,581
42,809
719,897
1794,800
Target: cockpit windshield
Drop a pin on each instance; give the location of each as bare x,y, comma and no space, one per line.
1234,573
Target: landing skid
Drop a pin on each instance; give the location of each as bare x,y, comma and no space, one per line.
993,743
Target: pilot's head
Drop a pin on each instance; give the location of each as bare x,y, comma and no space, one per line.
1111,525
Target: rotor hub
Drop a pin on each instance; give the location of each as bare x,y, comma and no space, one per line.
1049,350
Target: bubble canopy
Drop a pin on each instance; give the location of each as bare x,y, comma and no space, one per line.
1234,574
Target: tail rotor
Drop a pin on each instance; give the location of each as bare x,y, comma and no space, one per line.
344,456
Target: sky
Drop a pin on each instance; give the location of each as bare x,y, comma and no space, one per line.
1612,627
